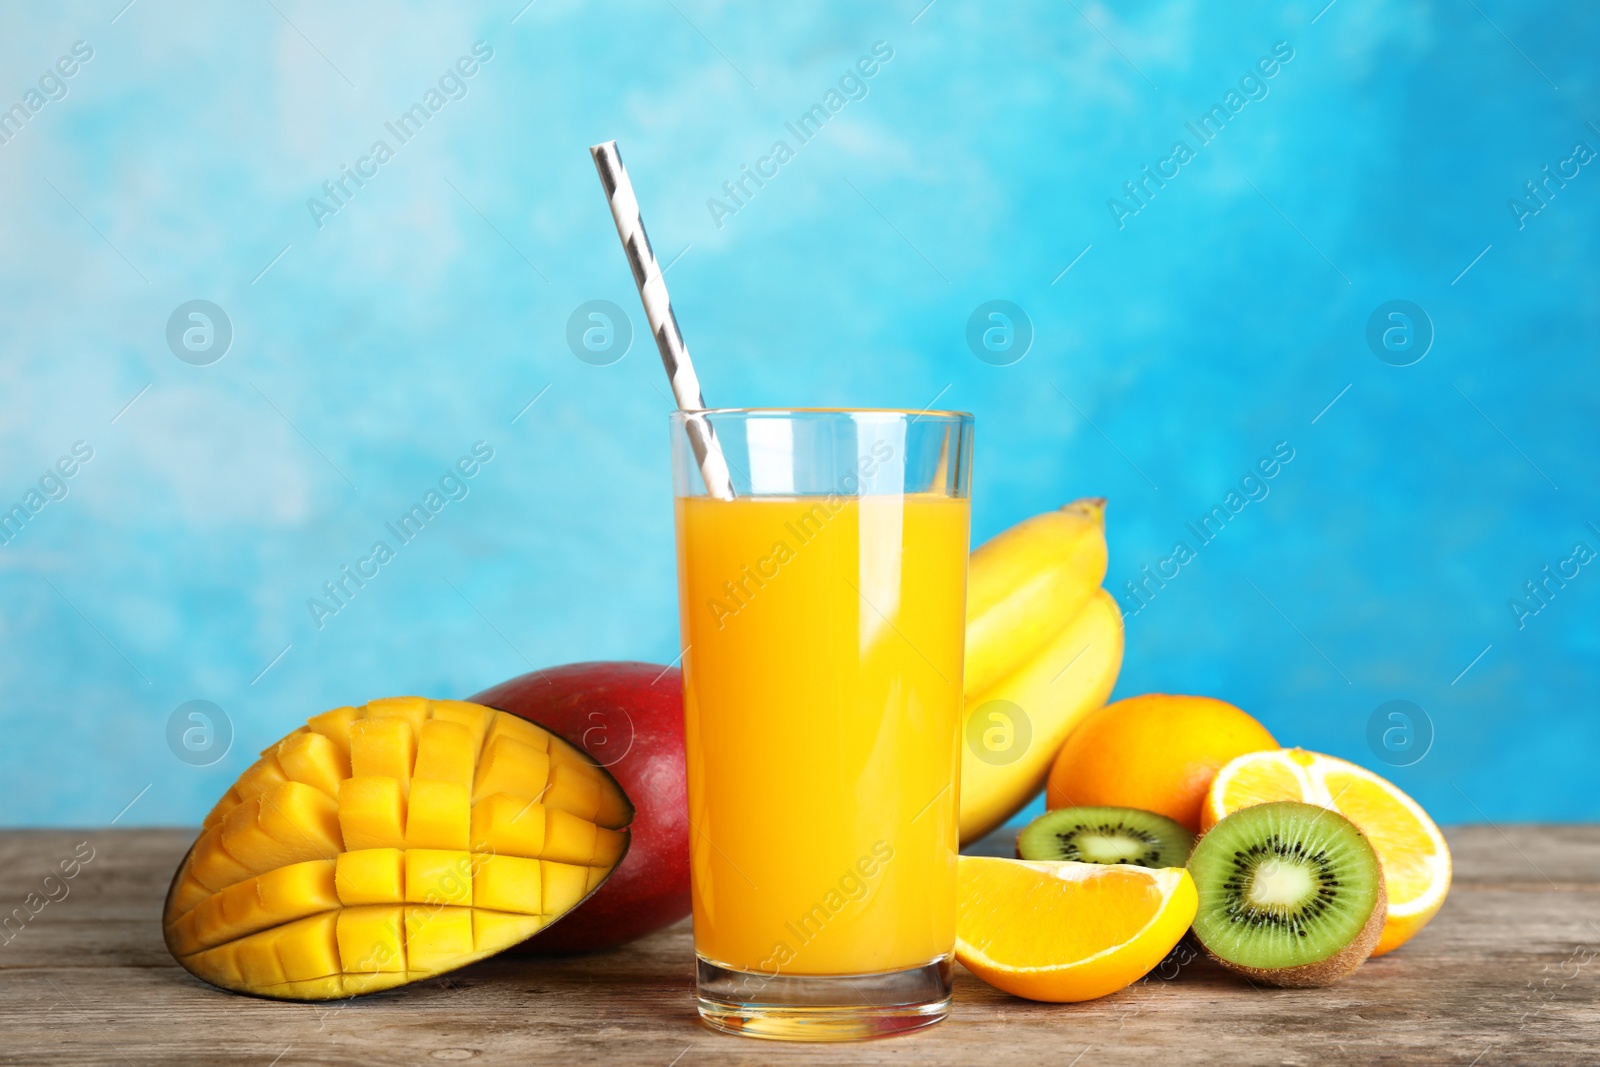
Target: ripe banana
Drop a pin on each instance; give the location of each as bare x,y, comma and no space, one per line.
1044,645
1014,729
1024,584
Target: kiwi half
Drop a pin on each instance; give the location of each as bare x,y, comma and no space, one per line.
1290,894
1106,835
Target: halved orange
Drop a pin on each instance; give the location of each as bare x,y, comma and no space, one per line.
1068,931
1412,851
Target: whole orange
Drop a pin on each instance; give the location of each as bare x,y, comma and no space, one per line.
1156,752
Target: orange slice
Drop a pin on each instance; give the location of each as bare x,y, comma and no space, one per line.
1068,931
1415,858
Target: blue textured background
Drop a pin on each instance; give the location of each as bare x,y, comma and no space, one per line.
422,317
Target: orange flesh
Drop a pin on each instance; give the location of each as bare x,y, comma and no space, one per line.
1403,846
1005,910
1266,782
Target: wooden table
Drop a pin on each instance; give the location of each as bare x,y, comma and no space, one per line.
1508,973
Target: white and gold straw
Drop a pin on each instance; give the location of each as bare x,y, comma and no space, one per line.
663,323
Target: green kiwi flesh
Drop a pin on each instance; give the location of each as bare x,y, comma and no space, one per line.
1106,835
1290,894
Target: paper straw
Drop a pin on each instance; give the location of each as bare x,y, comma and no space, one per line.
663,323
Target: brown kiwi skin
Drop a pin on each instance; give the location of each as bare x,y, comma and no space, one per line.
1330,970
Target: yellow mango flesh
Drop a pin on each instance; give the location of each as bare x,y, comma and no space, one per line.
388,843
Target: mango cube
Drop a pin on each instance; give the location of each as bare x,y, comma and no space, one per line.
445,753
299,889
372,813
535,737
242,911
609,807
257,959
439,876
564,885
437,938
242,836
493,931
568,838
335,726
508,826
370,941
438,815
260,776
615,811
302,819
382,748
309,948
475,717
508,883
212,866
371,876
186,894
609,847
573,792
514,767
314,760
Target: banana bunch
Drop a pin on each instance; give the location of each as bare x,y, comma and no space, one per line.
1044,644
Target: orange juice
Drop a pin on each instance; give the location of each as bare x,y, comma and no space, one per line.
822,698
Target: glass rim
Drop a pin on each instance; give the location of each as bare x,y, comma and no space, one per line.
927,413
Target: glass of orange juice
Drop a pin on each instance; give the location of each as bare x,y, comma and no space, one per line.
822,612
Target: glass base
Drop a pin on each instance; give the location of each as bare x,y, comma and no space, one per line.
805,1007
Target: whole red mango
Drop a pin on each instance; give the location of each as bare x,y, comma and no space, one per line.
629,718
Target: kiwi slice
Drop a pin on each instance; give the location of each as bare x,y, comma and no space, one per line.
1290,894
1106,835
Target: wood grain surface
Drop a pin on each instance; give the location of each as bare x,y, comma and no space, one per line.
1509,973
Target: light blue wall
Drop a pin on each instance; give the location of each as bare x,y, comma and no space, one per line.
1216,322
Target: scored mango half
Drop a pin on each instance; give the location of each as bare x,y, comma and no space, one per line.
384,844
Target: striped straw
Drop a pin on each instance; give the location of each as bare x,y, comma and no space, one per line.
663,323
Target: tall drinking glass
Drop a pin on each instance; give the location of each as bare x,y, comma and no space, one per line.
822,612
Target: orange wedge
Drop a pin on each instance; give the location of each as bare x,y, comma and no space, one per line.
1412,851
1068,931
